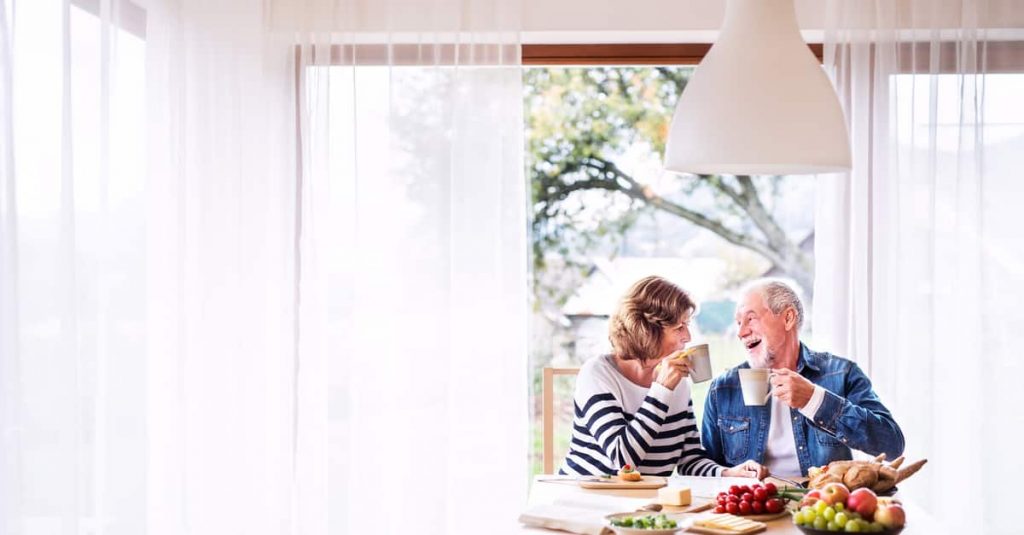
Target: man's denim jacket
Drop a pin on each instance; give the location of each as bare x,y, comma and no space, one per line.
850,416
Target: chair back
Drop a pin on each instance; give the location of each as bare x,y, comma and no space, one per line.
548,397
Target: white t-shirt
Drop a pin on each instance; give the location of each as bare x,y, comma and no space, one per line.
780,451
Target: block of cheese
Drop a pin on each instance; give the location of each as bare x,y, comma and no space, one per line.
674,496
727,522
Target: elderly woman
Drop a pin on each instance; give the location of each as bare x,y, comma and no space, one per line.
629,410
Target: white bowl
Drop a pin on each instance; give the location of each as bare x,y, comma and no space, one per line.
622,530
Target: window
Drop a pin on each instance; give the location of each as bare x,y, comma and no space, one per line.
605,214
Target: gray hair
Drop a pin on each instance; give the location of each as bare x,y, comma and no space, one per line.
778,295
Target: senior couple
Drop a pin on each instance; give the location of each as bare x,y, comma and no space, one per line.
631,411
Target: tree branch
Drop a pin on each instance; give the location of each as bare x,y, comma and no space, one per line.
637,191
764,221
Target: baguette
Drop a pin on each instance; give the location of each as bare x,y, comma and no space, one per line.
910,470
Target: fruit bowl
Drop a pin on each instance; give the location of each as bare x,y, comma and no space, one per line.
812,531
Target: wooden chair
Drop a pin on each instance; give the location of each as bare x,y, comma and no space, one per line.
548,397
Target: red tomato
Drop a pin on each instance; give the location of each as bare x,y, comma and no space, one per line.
774,505
756,486
732,508
744,489
722,500
720,509
734,490
760,495
745,508
747,497
734,498
757,507
771,489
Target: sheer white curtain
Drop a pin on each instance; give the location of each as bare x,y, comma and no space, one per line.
919,264
413,267
247,288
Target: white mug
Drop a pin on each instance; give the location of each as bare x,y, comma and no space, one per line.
700,363
756,385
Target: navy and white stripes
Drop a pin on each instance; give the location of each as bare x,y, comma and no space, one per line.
617,422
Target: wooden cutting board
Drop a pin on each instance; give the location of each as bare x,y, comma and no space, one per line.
648,482
754,527
694,507
714,531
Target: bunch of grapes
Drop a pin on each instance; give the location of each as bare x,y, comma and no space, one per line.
834,518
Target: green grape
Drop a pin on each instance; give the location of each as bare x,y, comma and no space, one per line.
875,527
820,523
841,519
798,518
809,515
853,527
831,526
829,513
820,506
840,507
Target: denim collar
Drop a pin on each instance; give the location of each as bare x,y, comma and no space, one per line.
808,359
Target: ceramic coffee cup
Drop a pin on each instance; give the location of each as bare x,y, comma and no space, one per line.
756,386
700,363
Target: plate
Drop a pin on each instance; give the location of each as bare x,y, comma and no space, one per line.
622,530
648,482
766,517
812,531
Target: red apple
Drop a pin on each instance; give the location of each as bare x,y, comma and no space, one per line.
863,501
891,516
834,493
810,498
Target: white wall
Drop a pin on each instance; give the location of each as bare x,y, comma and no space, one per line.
597,21
698,20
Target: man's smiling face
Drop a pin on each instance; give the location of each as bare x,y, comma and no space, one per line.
763,332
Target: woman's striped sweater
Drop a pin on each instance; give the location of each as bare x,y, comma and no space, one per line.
618,422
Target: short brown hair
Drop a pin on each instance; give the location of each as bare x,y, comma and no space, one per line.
651,305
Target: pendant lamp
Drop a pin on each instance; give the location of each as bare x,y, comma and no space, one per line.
759,103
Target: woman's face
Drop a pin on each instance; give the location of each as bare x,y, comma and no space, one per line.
674,338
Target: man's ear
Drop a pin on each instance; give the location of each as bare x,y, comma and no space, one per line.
790,319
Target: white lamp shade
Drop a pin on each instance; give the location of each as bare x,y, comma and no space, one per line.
759,103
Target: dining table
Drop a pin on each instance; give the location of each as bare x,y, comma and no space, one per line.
552,495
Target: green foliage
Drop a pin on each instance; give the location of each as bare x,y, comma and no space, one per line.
580,122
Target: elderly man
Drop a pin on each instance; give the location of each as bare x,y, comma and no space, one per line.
821,405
